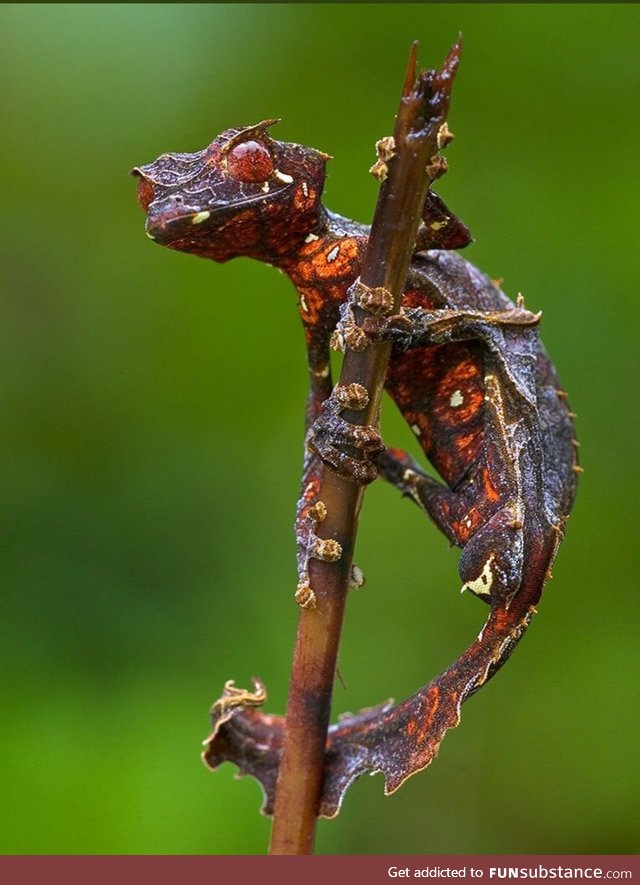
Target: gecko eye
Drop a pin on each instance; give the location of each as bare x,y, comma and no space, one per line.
250,161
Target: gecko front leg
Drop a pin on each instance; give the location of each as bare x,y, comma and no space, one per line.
310,510
347,449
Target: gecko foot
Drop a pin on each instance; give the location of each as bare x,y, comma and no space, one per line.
397,328
349,450
329,438
310,546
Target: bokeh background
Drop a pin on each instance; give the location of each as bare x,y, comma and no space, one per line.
151,450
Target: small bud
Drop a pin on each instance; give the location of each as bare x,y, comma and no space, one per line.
304,596
386,148
318,511
445,136
385,151
379,170
436,167
327,550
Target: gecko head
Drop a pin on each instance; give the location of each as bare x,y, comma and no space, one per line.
244,194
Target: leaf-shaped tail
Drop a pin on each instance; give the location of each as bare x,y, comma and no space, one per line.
396,739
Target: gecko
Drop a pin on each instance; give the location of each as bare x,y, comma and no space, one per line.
470,377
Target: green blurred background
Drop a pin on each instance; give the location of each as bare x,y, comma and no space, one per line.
151,452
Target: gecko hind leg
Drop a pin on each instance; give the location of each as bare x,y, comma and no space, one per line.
509,335
438,501
310,546
494,551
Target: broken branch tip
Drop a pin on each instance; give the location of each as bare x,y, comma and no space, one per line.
410,75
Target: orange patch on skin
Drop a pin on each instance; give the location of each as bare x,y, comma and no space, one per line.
444,463
319,307
309,296
300,201
469,524
453,462
344,255
413,298
307,251
460,394
433,696
312,303
467,445
311,491
502,619
419,423
312,265
463,371
490,491
411,727
411,377
305,272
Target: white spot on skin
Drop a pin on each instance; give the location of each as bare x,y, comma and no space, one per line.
482,585
416,429
456,399
410,479
303,304
199,217
322,373
282,176
151,236
311,238
489,380
305,189
331,256
468,522
413,491
265,188
438,225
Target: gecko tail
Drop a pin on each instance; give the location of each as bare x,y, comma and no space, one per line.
397,740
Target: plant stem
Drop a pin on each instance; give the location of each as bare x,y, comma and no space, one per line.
423,110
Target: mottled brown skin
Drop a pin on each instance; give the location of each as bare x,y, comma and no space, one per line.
470,377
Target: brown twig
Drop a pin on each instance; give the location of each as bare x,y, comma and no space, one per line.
422,113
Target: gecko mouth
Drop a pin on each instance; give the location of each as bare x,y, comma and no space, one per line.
167,219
